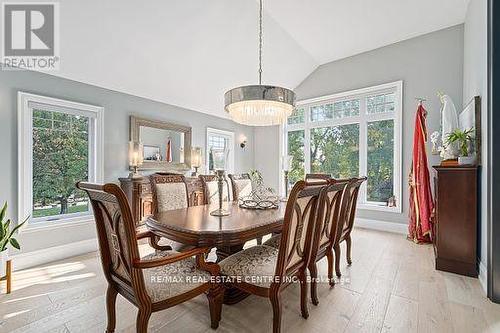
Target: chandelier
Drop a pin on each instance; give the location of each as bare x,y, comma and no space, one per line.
259,105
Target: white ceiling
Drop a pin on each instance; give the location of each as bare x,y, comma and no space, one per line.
189,52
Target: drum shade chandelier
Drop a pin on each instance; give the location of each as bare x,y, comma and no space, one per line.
259,105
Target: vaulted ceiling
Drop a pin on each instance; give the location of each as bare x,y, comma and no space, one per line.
189,52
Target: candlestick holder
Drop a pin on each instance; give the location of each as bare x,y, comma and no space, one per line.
220,185
285,198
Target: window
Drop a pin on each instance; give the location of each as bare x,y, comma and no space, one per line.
220,150
351,134
59,145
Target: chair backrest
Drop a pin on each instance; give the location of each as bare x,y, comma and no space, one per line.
351,198
330,212
242,185
169,192
298,226
116,234
315,176
211,189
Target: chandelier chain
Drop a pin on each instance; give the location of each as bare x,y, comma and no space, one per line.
260,43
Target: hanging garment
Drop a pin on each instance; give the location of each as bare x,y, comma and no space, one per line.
421,203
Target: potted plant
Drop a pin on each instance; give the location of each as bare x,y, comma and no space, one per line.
7,238
463,138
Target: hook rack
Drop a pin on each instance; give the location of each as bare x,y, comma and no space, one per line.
420,99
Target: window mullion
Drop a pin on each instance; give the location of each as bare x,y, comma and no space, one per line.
363,150
307,142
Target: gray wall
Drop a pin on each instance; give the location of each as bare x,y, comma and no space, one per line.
476,84
426,64
118,107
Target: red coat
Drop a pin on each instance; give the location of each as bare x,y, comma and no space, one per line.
421,203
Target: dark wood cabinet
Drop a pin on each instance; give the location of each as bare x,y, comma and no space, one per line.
455,219
140,195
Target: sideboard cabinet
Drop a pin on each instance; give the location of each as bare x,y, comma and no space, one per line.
455,219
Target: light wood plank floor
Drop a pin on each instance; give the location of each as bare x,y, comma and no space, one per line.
391,287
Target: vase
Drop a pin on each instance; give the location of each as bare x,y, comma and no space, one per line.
466,160
4,256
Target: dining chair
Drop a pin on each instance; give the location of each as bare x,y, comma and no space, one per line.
242,185
346,223
266,271
332,211
169,192
211,189
154,282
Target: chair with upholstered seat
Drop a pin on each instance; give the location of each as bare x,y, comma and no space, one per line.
346,224
266,271
154,282
169,192
242,185
333,210
211,189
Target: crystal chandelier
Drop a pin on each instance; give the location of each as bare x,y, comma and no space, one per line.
259,105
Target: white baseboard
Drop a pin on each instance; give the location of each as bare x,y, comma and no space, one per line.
398,228
39,257
483,279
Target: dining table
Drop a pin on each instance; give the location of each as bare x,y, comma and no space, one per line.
227,234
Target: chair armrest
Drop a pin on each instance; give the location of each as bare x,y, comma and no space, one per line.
141,264
210,267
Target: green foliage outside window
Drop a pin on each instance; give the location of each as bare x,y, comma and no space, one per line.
60,159
335,150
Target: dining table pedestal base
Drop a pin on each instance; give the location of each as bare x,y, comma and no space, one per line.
231,295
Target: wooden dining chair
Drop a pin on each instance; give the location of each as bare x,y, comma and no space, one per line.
211,189
145,281
346,223
242,185
169,192
331,212
266,271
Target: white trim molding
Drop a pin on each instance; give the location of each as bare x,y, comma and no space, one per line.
394,227
43,256
26,102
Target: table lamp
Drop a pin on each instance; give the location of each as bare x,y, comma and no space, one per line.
196,160
136,158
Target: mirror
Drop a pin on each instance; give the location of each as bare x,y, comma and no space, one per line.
166,146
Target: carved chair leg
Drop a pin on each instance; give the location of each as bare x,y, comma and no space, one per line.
329,256
276,303
215,298
259,240
111,294
142,320
348,251
336,248
313,270
303,294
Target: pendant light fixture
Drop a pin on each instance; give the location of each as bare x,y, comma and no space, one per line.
259,105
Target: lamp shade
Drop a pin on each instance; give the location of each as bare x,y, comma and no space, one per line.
259,105
135,154
196,158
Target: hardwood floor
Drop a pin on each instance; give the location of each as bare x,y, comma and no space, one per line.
391,287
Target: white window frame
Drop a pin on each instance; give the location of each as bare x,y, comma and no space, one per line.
363,119
230,136
25,105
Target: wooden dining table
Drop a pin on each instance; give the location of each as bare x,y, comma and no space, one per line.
228,234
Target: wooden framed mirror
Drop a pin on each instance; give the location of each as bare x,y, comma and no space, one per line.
167,146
